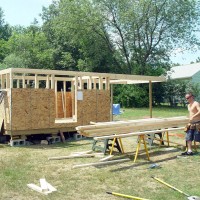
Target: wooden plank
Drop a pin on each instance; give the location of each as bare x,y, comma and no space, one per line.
136,133
90,83
50,187
134,123
71,156
111,103
47,82
52,81
121,130
40,78
2,81
7,81
18,85
62,136
43,185
23,81
39,131
56,98
100,83
101,163
115,123
36,82
82,152
107,84
106,158
65,100
94,83
11,80
6,71
76,73
37,188
63,103
150,98
75,97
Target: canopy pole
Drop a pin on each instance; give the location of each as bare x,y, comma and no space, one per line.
150,98
111,102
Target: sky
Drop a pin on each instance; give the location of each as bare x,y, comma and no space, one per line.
184,57
23,12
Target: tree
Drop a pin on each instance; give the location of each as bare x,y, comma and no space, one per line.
198,60
78,35
5,33
5,30
29,48
120,36
146,31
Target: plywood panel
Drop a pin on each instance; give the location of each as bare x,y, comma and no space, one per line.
89,109
103,105
20,108
35,108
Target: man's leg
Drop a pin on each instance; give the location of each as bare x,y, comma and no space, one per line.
189,138
189,146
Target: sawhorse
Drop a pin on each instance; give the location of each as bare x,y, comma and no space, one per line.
116,143
115,140
141,138
167,140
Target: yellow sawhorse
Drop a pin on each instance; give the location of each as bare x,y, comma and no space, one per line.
167,140
141,138
113,143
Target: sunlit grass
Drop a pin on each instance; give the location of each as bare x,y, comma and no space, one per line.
138,113
22,165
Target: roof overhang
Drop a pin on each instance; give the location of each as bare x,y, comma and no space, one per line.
114,78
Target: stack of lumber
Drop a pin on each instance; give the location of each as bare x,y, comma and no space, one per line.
131,126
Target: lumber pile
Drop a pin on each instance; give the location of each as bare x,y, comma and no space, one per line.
130,126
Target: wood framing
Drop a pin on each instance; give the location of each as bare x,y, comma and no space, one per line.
50,101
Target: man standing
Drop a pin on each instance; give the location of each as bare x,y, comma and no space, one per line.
193,128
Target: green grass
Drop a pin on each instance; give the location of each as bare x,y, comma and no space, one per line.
137,113
20,166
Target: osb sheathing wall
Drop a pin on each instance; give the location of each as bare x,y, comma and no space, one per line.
35,108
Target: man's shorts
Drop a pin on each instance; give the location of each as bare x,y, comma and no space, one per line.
192,135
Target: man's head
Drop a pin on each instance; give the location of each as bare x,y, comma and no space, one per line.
189,97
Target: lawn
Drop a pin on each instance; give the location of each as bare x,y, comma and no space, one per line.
165,111
22,165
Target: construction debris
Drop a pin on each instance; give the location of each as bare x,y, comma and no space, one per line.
44,188
83,152
106,158
71,156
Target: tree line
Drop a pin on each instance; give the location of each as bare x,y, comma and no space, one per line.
110,36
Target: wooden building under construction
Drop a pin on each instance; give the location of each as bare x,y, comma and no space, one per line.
37,101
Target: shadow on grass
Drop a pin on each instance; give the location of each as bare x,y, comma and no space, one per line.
67,144
135,165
